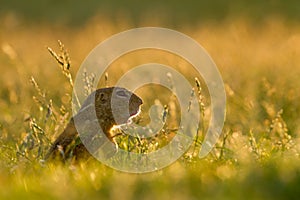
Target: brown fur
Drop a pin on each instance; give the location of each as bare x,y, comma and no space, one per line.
69,144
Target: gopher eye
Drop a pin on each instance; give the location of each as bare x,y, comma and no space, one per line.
102,97
122,93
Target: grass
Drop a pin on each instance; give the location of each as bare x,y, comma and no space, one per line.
257,156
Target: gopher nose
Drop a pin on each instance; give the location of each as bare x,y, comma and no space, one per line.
140,101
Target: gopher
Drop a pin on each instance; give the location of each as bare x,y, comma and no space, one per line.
111,106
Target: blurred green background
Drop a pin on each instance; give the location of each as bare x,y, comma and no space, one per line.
76,12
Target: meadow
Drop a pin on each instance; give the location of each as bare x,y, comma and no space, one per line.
257,156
